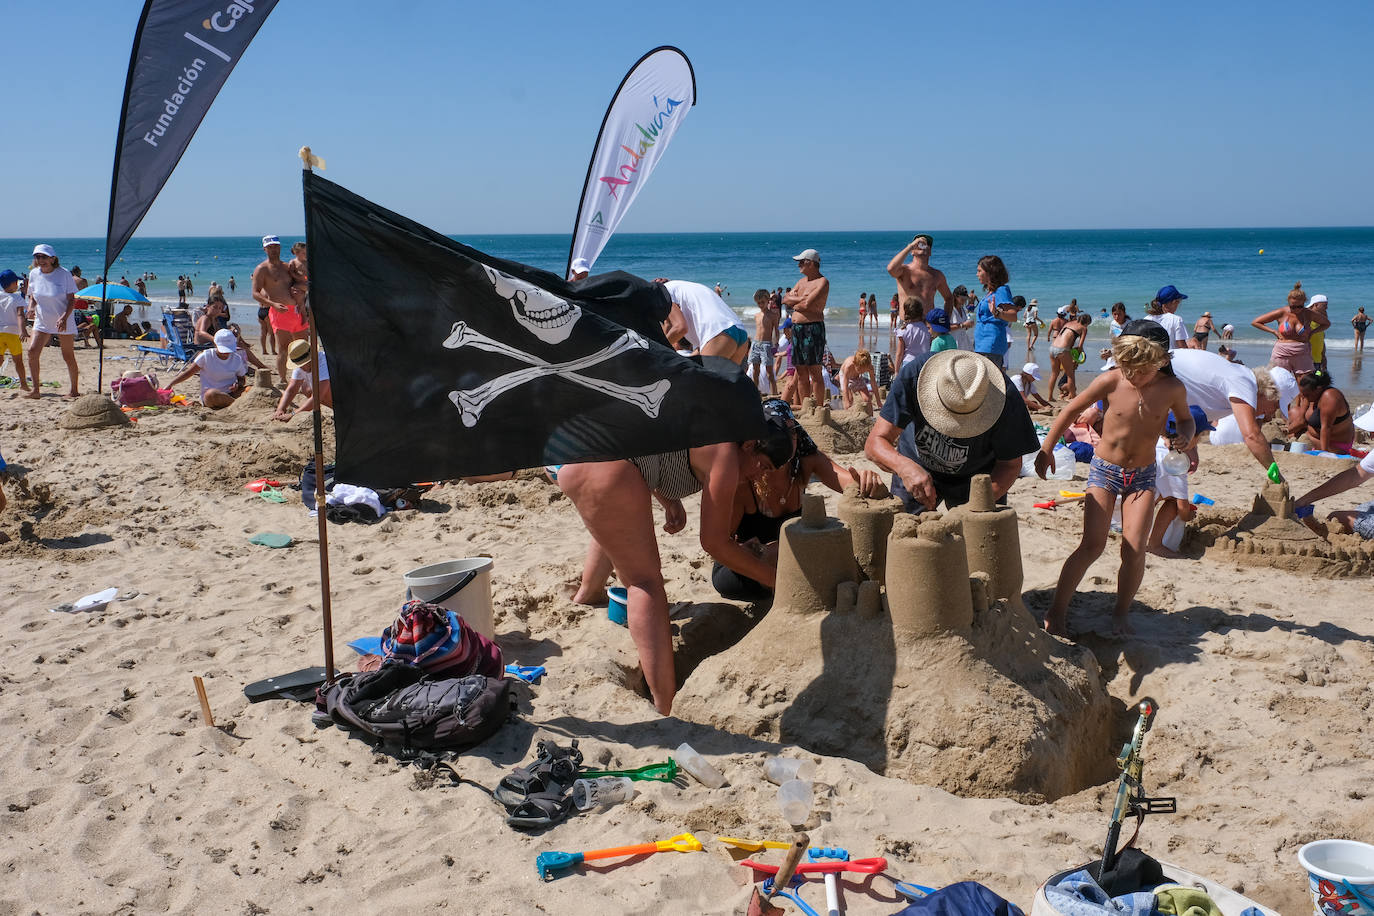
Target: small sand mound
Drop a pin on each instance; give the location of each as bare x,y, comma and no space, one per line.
837,432
93,411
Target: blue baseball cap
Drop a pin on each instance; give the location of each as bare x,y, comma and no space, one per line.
1200,420
1169,294
7,277
786,323
937,320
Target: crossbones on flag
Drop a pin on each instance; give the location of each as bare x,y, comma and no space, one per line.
447,362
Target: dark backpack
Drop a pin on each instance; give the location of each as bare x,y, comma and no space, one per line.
404,709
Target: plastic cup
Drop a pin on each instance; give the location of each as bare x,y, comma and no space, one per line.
794,800
697,765
602,792
1297,446
1340,872
779,770
616,607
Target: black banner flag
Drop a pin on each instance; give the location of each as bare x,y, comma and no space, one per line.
183,52
446,362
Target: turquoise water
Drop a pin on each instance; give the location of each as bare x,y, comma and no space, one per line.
1221,270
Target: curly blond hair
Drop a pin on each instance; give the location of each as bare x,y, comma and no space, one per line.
863,359
1268,388
1134,354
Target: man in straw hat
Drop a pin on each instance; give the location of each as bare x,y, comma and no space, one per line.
298,355
946,419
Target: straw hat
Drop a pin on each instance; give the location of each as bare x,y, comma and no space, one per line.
961,394
298,354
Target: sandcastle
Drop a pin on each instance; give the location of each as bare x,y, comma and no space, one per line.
1271,535
901,642
838,432
93,411
261,396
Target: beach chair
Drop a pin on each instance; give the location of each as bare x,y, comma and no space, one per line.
162,355
181,335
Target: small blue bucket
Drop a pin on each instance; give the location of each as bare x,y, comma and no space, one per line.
615,609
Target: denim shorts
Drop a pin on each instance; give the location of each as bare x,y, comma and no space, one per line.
1121,481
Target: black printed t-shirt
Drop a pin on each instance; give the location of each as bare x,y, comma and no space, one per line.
952,461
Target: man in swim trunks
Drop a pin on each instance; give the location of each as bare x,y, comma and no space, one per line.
702,318
272,290
916,278
807,301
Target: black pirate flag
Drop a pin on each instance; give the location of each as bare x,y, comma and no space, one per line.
447,362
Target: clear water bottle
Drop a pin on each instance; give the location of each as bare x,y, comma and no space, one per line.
697,765
1064,460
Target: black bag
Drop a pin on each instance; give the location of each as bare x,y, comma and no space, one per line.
308,482
404,709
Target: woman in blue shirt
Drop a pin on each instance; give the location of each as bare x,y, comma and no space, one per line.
995,311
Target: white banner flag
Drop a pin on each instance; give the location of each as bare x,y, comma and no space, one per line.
653,99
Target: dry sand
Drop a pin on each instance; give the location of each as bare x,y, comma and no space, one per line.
119,800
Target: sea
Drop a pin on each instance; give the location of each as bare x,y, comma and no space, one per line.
1236,274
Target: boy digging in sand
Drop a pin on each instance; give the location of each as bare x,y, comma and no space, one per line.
1139,394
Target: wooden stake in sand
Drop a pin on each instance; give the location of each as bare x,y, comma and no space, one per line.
204,701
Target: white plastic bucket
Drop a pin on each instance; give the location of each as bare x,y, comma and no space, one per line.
1340,876
472,600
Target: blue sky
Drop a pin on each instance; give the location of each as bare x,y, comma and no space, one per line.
479,118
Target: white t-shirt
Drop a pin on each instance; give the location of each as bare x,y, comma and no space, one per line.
50,291
217,373
10,306
706,313
1212,380
1178,332
916,336
303,375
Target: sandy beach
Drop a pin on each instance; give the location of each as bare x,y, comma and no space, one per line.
120,800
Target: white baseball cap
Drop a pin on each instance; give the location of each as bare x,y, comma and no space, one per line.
1031,369
225,341
45,250
1317,298
271,240
579,265
809,254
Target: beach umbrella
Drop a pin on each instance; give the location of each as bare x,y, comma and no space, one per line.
112,292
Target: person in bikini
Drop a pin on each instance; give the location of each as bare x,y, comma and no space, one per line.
1202,329
1322,414
1139,395
1062,359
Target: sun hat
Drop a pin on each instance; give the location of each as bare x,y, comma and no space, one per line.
1031,369
1206,314
7,277
1315,299
1365,421
225,341
961,394
45,249
270,240
298,354
1035,302
1169,294
809,254
938,321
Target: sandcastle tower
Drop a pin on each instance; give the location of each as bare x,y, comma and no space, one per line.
950,682
992,536
1274,500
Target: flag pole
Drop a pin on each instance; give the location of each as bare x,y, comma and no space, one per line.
320,496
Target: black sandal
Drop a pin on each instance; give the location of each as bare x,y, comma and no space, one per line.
554,769
542,809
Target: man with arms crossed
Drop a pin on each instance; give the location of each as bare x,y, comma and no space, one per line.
807,302
272,290
917,278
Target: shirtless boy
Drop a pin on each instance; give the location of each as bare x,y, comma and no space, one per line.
916,278
272,290
764,346
807,301
1139,393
